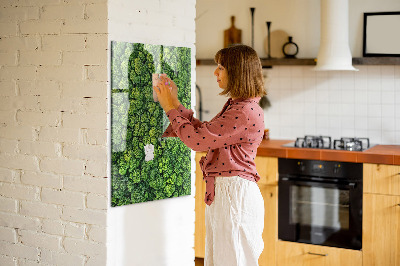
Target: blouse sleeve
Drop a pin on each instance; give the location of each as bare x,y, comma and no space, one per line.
186,113
222,131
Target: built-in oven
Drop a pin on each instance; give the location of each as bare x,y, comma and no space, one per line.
320,202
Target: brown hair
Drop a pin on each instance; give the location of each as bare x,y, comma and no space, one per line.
245,78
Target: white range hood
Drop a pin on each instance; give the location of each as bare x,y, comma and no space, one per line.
334,51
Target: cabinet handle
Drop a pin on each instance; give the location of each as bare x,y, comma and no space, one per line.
318,254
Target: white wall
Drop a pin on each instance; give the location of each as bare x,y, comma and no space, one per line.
158,232
53,114
338,104
298,18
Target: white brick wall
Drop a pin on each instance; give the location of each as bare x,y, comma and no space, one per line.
53,121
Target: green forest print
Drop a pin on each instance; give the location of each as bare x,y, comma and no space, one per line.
144,166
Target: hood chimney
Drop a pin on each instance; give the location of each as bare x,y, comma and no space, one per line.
334,51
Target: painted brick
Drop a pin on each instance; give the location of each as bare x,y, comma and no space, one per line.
98,73
62,12
85,152
8,117
41,179
18,72
17,161
67,42
41,210
7,145
94,168
29,2
63,197
97,234
7,88
86,184
8,234
95,136
88,88
85,121
19,43
16,132
8,58
35,239
84,247
19,13
97,11
8,204
39,148
39,87
19,250
7,175
93,1
97,260
62,166
26,262
88,216
60,73
26,103
8,261
75,230
39,58
61,258
57,134
19,221
89,57
84,26
98,42
53,227
94,201
40,27
62,104
17,191
39,118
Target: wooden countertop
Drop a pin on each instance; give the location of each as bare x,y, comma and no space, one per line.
379,154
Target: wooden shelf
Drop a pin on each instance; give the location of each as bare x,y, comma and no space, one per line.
312,61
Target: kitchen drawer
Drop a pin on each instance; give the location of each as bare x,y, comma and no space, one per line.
381,179
298,254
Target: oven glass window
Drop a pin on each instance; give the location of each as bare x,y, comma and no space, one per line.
317,207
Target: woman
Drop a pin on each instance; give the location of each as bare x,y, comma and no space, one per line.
235,207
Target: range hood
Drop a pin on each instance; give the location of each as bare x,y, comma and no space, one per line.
334,51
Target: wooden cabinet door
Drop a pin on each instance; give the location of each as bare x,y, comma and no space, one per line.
267,168
200,207
270,233
381,230
297,254
381,179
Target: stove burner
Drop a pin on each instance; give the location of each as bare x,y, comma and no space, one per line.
308,141
351,144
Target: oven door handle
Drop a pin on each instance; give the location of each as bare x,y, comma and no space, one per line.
329,184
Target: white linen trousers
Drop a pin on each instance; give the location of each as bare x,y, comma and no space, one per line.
234,223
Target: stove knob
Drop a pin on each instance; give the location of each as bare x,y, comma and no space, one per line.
336,169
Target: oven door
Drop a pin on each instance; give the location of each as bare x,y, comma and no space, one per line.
320,212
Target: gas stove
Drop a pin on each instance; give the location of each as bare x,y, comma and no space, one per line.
325,142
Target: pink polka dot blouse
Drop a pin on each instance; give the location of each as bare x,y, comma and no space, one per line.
231,139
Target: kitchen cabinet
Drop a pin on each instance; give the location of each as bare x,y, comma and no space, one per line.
381,179
200,207
298,254
381,215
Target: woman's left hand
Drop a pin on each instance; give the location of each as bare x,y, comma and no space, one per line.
163,91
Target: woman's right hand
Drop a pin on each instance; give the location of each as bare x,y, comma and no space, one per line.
174,91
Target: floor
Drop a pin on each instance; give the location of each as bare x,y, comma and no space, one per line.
199,262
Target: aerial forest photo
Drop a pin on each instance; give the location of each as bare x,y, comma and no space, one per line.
145,166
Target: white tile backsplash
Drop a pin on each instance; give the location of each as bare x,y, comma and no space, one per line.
364,103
